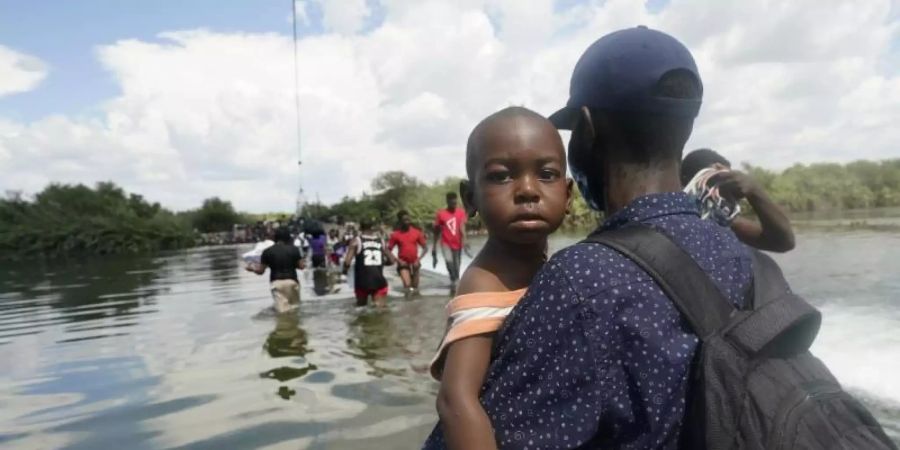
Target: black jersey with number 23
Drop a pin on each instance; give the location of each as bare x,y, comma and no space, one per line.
369,264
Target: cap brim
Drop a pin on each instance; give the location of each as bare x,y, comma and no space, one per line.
566,118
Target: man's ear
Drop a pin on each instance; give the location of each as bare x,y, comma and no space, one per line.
585,128
468,199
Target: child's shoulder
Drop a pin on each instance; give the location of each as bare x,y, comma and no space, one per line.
478,279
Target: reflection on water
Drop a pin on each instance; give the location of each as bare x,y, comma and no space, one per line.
172,351
287,340
35,296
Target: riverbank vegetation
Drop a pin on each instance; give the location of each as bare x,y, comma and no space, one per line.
799,188
72,219
829,186
76,219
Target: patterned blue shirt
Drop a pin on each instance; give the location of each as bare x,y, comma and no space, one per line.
595,355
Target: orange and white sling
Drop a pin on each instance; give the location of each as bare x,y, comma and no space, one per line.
473,314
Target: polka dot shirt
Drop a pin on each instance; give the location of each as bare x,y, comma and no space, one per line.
595,355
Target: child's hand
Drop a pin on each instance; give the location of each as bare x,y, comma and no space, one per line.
735,185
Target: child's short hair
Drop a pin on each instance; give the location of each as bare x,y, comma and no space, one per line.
698,160
402,213
366,225
472,144
451,196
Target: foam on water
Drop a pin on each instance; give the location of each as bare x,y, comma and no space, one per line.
861,346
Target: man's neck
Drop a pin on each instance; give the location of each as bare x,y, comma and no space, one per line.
627,182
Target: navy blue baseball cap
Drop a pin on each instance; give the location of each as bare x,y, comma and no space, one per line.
620,72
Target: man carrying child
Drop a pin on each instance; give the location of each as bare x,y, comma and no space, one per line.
595,355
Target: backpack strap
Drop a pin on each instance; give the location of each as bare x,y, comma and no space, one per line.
781,323
700,301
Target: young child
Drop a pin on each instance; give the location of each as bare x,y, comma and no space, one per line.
516,169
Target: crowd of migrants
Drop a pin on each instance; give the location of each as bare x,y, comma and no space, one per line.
333,251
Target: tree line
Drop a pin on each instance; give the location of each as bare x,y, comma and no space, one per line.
104,219
799,188
831,186
77,219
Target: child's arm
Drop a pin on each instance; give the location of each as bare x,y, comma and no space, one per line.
773,232
466,425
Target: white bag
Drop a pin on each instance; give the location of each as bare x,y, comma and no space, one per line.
253,256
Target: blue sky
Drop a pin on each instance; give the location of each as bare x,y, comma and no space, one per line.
398,84
65,37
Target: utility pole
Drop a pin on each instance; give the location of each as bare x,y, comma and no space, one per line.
301,201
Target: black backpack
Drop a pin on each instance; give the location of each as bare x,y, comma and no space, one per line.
754,384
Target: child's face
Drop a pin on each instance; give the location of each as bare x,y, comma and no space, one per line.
519,184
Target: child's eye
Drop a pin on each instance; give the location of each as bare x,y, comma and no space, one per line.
499,176
548,174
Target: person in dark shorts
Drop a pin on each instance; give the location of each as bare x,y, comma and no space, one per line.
407,238
367,254
282,259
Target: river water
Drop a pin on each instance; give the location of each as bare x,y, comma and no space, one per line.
176,350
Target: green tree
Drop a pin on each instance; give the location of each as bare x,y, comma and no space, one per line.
67,219
216,215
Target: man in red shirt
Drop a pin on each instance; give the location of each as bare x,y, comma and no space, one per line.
449,224
408,239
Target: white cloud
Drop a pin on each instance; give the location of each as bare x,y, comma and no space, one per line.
204,113
302,14
19,72
344,16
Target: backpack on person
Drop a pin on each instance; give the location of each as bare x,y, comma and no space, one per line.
754,383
